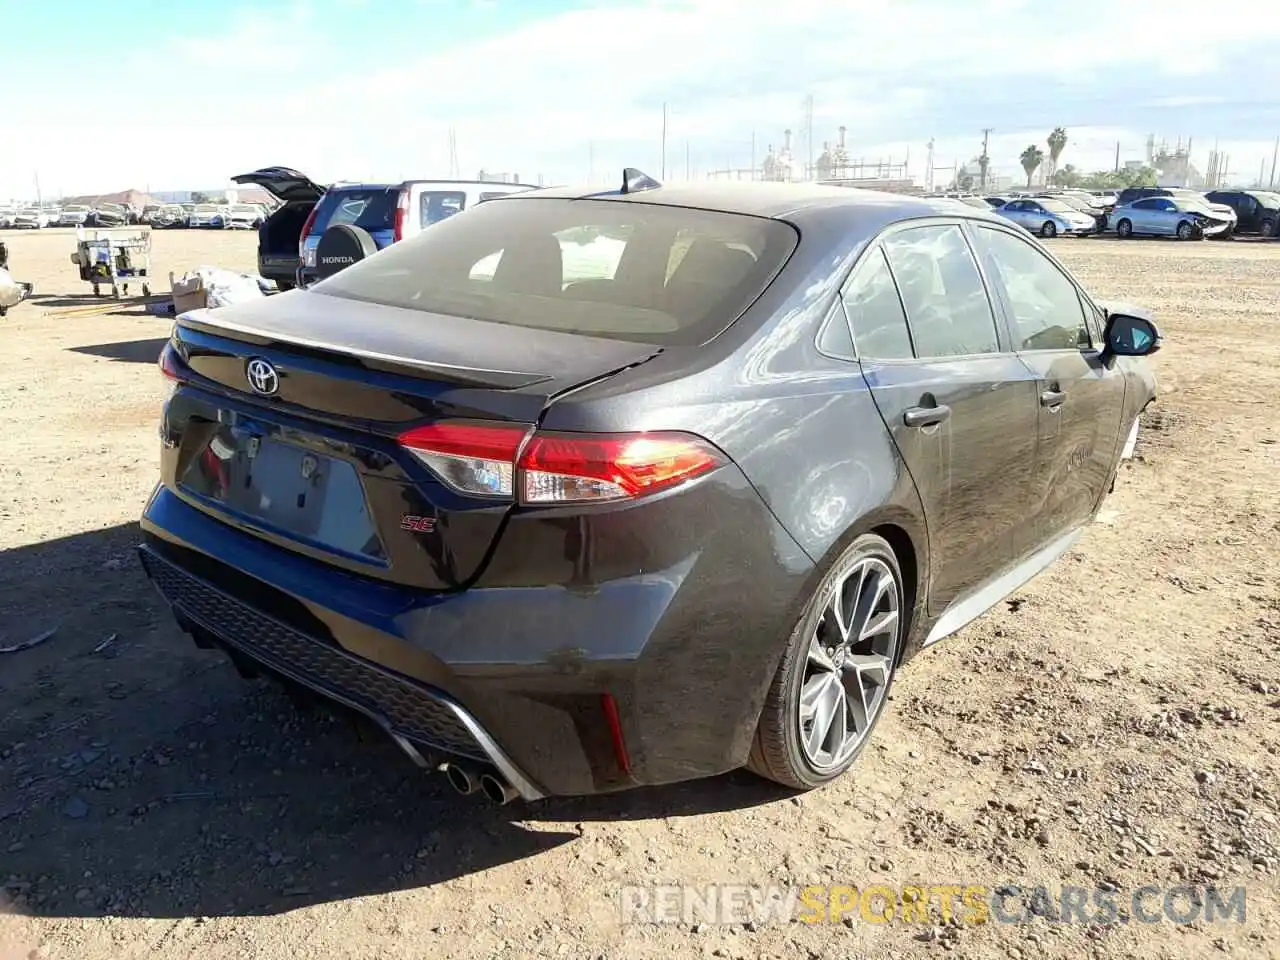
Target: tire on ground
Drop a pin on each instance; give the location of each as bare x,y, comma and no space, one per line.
776,753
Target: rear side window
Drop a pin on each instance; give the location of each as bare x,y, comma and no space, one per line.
436,205
946,301
370,210
875,312
618,269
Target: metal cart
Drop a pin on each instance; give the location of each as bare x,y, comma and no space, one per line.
114,255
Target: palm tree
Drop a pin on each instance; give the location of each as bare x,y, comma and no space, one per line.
1057,143
1031,159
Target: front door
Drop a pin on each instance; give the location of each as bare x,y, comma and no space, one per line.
960,406
1080,397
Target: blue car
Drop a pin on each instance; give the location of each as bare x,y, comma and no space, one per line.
354,220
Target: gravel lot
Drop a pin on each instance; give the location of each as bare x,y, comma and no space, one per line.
1115,723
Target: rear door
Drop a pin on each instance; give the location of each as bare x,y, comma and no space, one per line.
370,208
960,404
1080,398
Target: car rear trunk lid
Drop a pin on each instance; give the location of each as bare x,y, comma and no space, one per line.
314,464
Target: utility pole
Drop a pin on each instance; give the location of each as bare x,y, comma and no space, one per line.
37,178
986,158
1117,170
1274,151
928,168
663,172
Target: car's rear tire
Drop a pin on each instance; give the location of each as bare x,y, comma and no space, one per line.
834,679
1267,227
1048,230
1124,228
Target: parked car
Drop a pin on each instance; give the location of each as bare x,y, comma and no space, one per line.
1220,211
1179,217
354,221
1048,217
29,218
73,216
107,215
1089,209
280,234
647,525
207,215
168,217
1257,211
150,212
244,216
996,201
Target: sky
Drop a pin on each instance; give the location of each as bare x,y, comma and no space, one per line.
172,96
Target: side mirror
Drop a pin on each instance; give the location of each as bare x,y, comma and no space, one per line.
1128,336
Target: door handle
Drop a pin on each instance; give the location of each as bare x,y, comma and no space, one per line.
926,416
1052,399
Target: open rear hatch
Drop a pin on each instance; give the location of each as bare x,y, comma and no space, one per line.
295,429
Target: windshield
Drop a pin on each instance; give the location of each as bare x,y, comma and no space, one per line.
245,210
1055,206
75,209
622,270
206,208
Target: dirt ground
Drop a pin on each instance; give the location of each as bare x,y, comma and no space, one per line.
1115,724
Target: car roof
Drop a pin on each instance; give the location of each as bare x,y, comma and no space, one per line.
794,202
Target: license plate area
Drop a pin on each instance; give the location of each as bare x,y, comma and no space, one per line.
285,488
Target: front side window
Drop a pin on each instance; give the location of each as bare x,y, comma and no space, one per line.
1047,314
875,311
946,302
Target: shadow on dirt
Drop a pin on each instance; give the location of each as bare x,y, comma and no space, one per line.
140,776
127,351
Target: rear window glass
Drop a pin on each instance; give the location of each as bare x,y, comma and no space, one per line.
437,205
621,270
367,209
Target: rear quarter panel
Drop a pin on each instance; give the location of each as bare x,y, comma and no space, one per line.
801,425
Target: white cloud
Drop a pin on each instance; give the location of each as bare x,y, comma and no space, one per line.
309,90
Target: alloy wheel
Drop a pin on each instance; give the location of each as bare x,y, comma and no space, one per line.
850,659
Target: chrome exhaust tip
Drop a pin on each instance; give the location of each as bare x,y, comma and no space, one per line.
497,790
461,779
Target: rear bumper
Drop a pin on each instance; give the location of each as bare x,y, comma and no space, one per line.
515,670
411,713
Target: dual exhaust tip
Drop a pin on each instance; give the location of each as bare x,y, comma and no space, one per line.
466,780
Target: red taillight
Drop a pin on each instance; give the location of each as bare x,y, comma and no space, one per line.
496,461
170,364
402,211
566,468
478,459
306,230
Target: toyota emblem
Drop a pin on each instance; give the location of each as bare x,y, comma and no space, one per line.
262,377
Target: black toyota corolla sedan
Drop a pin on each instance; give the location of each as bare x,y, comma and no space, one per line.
579,491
